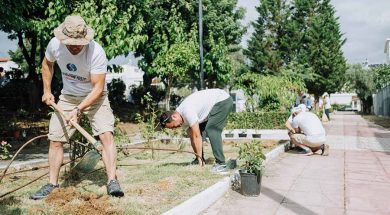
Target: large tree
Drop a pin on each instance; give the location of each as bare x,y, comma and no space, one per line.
221,28
117,26
361,81
20,20
268,48
320,42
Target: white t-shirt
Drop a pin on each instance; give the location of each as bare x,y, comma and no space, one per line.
77,69
197,106
327,103
311,126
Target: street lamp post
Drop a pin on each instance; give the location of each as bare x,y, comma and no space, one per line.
201,73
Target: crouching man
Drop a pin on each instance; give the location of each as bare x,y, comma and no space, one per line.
203,112
308,132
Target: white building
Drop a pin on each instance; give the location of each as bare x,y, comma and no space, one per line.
7,64
387,50
349,99
131,75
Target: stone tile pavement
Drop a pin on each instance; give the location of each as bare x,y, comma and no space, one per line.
353,179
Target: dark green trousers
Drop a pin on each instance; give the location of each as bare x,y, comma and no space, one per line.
212,128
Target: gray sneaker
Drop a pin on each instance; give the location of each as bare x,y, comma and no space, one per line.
114,189
44,191
219,168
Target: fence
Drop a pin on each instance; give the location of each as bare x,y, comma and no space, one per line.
381,102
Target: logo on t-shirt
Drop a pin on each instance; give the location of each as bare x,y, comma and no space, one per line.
71,67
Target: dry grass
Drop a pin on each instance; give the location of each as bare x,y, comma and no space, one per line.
150,186
382,121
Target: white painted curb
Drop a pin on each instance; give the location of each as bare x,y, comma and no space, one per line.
203,200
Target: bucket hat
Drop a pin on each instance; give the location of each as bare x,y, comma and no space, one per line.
74,31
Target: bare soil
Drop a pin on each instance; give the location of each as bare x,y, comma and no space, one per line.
68,200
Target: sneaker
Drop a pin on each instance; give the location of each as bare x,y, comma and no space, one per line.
196,162
114,189
325,149
44,191
219,168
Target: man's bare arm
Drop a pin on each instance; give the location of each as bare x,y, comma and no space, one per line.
47,76
196,141
98,81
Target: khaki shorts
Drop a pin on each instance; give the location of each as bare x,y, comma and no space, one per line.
301,138
99,114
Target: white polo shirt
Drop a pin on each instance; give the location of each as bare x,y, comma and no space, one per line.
196,107
76,70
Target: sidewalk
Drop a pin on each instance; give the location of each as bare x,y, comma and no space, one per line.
353,179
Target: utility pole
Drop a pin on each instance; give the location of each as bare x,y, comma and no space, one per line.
201,73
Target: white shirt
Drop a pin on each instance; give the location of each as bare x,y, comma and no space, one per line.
196,107
327,103
77,69
311,126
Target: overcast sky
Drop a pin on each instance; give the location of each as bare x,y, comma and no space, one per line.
365,24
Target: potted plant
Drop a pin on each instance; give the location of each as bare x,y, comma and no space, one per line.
252,156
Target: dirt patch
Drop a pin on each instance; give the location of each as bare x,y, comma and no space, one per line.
130,129
68,200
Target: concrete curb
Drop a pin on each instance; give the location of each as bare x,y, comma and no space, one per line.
203,200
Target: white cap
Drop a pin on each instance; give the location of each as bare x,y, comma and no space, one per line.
302,107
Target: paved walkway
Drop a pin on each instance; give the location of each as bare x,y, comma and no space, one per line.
353,179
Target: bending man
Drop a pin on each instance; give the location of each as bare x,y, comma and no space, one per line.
202,112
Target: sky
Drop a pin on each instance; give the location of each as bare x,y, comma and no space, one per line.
364,23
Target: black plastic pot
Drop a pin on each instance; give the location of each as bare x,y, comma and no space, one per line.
256,135
242,135
250,183
229,135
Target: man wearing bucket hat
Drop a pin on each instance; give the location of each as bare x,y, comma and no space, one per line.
308,133
203,112
83,65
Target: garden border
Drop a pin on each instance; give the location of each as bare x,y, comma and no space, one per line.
203,200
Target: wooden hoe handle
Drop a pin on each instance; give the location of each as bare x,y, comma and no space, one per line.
75,124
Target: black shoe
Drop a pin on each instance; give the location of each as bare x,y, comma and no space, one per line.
196,162
114,189
44,191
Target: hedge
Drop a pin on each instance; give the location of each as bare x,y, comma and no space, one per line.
257,120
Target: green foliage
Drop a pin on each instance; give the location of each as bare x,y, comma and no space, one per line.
301,35
361,81
252,155
148,121
268,48
270,93
382,76
138,93
320,43
171,27
116,89
257,120
5,150
117,24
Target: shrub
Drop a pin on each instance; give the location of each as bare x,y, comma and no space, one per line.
257,120
252,155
